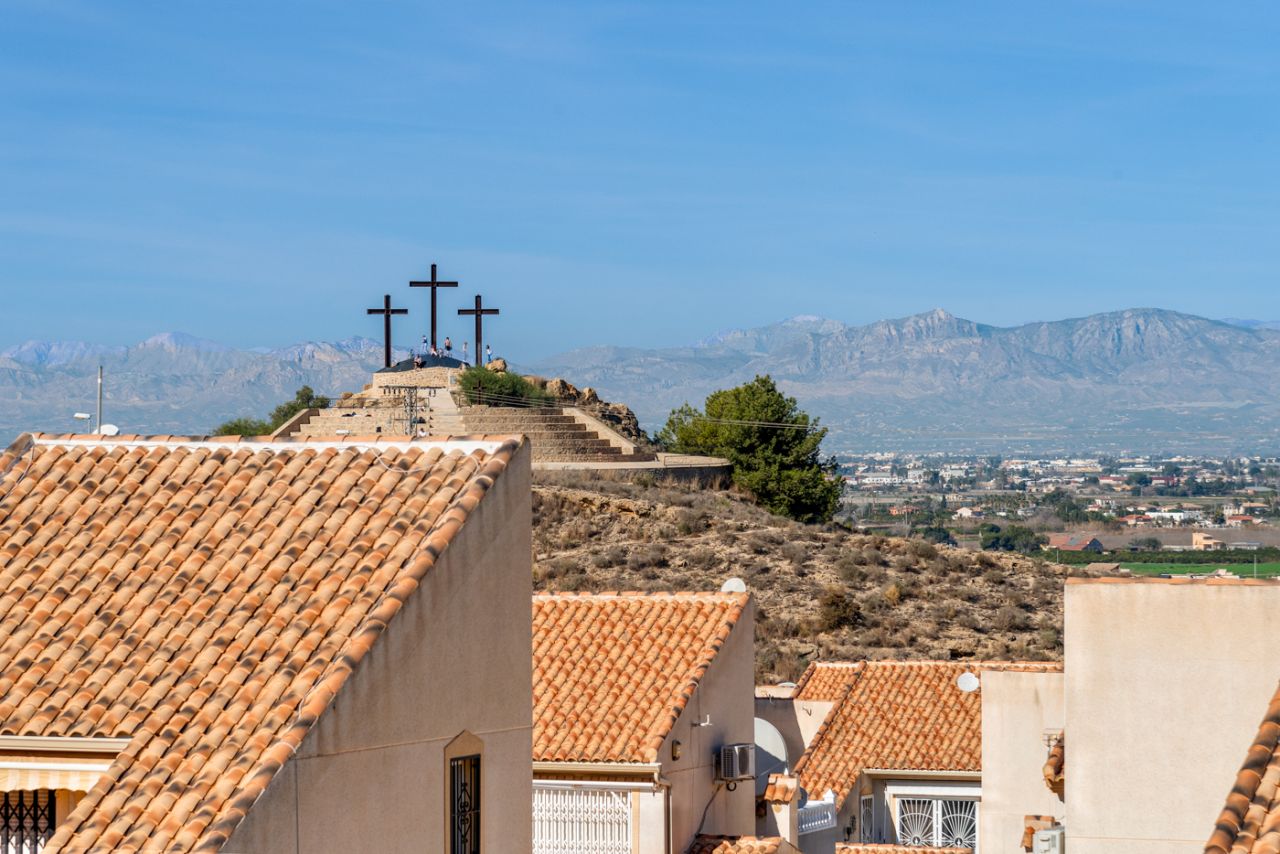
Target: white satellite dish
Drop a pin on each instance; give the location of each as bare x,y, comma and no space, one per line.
968,682
771,753
734,585
109,430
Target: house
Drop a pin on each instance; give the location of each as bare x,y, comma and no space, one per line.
1177,691
634,695
1203,542
1074,543
898,758
968,513
264,646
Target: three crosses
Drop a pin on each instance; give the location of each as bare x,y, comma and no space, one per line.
387,311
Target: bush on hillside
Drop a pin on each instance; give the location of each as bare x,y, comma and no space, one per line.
481,386
303,398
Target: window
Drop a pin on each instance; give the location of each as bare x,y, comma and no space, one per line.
867,830
26,821
464,805
938,821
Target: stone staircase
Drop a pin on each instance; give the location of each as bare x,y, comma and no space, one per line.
556,435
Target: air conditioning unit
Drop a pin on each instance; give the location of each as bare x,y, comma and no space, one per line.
1051,841
736,762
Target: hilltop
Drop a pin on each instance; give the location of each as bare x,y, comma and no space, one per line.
822,592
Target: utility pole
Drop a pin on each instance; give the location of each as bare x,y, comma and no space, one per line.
98,426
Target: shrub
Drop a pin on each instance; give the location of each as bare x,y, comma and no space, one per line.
483,386
837,610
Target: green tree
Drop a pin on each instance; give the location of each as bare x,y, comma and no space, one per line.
303,398
1014,538
773,445
483,386
243,427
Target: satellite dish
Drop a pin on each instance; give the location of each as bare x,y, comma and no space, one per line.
968,682
109,430
734,585
771,753
802,797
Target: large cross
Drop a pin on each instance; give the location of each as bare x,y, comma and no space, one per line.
479,312
433,284
386,311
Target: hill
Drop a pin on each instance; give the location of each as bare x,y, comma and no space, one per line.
1143,379
822,592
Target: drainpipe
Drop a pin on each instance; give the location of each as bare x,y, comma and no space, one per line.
665,787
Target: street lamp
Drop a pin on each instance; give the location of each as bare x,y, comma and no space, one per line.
82,416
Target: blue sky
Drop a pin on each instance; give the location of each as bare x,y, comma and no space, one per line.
640,174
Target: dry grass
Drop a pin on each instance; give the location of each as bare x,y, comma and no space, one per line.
822,592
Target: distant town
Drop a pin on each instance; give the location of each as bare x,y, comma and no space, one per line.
1145,514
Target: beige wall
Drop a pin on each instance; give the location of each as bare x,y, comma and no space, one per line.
797,721
371,774
1166,684
1018,709
726,696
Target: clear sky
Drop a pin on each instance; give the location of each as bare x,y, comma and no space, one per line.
644,174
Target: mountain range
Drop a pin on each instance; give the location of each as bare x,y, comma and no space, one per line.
1135,380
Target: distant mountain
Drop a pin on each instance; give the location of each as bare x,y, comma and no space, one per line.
170,383
1252,324
1143,379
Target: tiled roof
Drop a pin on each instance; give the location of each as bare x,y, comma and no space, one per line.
613,671
704,844
781,788
901,715
206,599
826,680
1055,767
882,848
1250,821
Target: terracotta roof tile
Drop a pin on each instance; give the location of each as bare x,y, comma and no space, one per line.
1250,821
704,844
781,788
1055,767
613,671
900,715
205,599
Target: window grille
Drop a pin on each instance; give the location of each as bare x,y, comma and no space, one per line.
26,821
938,821
867,830
581,821
464,805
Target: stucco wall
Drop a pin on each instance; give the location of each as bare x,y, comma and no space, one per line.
1166,684
1017,710
371,774
725,695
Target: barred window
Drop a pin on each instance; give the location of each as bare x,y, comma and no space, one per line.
464,805
26,821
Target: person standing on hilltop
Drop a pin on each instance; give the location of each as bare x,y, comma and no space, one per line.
448,347
464,353
488,354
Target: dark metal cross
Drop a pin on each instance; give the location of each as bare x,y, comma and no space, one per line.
433,284
479,312
386,311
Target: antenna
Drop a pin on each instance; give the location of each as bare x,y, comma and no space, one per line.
968,682
734,585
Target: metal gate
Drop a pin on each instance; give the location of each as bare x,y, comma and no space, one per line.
26,821
569,820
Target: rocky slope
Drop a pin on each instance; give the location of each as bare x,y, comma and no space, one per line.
822,592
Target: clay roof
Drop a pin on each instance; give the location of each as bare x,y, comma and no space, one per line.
613,671
904,716
1250,821
1055,767
884,848
703,844
827,680
206,599
781,788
